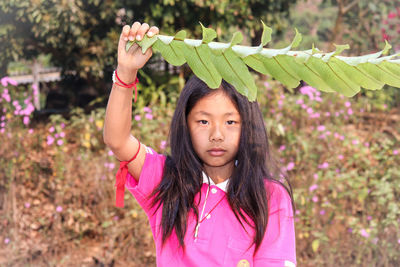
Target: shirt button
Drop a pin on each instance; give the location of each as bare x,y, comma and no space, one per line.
208,216
214,190
243,263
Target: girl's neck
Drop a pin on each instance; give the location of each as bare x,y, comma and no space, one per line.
219,174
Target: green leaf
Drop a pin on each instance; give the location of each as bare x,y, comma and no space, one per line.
199,60
208,34
235,72
171,53
266,35
328,72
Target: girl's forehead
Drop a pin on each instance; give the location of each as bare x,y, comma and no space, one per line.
215,103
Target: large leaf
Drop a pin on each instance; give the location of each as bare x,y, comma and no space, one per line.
329,72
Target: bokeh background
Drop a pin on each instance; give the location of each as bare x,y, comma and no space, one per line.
342,155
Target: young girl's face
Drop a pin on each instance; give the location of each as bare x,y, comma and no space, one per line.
214,125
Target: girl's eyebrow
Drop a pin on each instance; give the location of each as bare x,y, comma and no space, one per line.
208,114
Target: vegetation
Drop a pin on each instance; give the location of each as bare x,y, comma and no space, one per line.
57,177
341,154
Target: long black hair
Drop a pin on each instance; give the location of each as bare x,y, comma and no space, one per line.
182,176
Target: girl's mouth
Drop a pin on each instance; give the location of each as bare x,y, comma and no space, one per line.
216,152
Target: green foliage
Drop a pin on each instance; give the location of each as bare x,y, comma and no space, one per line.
329,72
82,36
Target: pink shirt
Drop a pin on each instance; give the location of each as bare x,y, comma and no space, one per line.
221,240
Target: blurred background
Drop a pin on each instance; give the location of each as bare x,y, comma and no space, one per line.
342,155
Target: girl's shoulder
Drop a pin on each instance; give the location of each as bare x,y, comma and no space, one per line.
277,194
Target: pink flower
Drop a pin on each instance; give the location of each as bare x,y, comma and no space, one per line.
149,116
7,80
324,165
282,147
137,118
111,166
290,166
300,101
62,125
315,176
50,140
350,111
322,212
51,129
110,153
267,86
163,145
60,142
321,128
347,104
280,103
62,134
59,209
327,114
310,110
27,205
30,131
340,157
313,187
354,142
6,241
395,152
315,115
147,109
364,233
369,218
366,144
315,199
391,15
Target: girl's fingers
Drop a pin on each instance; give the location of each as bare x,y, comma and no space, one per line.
123,38
142,31
125,32
153,31
134,29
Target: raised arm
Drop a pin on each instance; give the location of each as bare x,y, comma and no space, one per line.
117,125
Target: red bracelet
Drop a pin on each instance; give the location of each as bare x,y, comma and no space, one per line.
125,85
120,180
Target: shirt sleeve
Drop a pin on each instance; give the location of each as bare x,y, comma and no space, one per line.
149,179
278,247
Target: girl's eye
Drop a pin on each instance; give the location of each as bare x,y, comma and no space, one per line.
204,122
231,122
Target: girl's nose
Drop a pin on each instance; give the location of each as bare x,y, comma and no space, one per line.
216,134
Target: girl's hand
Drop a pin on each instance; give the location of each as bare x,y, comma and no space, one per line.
129,62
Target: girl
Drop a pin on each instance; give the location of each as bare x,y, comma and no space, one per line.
214,200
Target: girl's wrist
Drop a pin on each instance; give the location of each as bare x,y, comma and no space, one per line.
126,76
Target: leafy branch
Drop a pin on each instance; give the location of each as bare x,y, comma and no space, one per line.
328,72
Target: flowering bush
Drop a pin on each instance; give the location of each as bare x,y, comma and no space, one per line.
16,105
341,155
